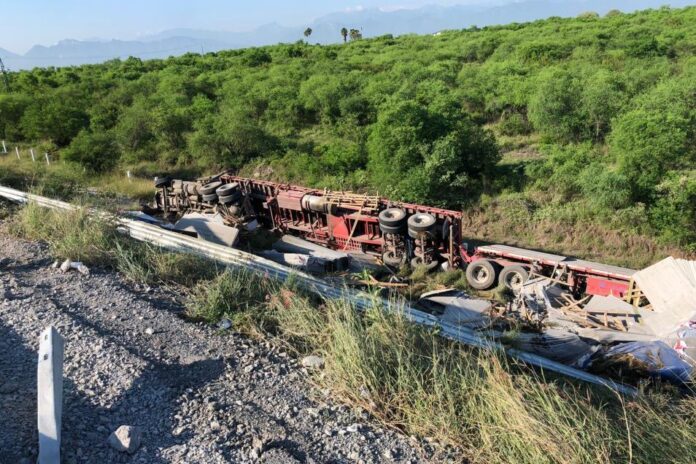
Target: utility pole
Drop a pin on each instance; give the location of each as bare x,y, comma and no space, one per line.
3,71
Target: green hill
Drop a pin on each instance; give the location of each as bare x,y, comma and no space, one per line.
572,134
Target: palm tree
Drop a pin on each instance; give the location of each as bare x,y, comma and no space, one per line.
344,33
355,34
308,32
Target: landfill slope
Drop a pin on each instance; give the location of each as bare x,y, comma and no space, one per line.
198,395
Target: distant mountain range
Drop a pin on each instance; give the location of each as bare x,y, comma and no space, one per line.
326,30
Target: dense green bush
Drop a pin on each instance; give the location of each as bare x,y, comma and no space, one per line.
611,99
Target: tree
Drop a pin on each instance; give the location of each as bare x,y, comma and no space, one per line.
344,34
308,32
553,108
657,136
95,151
421,156
355,34
58,117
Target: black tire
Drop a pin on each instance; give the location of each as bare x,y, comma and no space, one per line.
393,260
209,188
235,196
481,274
227,189
513,277
421,222
210,198
163,181
392,217
191,189
391,229
418,261
414,234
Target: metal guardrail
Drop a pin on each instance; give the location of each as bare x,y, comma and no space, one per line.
239,259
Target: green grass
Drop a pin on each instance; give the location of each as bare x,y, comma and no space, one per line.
69,181
77,236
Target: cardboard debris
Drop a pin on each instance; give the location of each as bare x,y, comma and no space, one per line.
309,263
458,308
669,286
208,227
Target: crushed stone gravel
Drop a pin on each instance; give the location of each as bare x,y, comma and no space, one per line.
197,393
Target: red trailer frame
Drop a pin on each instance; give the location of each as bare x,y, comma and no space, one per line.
350,222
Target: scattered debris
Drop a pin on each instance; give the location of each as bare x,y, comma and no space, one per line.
224,324
313,362
310,263
209,227
654,358
125,439
68,264
457,307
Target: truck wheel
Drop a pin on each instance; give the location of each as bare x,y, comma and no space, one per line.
231,198
418,261
209,188
513,277
227,189
162,181
481,274
391,229
421,222
392,217
393,260
210,198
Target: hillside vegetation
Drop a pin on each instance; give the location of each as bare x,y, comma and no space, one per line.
539,130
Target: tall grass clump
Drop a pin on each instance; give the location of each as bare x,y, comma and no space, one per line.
232,294
79,236
146,264
71,235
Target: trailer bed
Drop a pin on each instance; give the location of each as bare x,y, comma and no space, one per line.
574,264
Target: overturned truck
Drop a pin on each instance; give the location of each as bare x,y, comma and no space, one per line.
394,232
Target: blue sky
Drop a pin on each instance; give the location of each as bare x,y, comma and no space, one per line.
29,22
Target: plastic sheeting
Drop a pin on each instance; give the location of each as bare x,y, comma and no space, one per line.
656,358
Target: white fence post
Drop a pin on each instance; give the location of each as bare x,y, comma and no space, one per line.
128,174
50,395
17,151
48,161
31,150
4,147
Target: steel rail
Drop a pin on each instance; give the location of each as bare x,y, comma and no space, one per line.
362,301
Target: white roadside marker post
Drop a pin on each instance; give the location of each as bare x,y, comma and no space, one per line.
31,150
4,147
17,151
128,174
48,160
50,395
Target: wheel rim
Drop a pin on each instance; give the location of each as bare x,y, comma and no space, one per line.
514,280
481,275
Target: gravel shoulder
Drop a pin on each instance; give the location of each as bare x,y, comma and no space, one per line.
197,394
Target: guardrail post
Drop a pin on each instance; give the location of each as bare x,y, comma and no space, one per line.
50,395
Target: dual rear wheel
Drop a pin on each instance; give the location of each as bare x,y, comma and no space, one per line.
483,274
